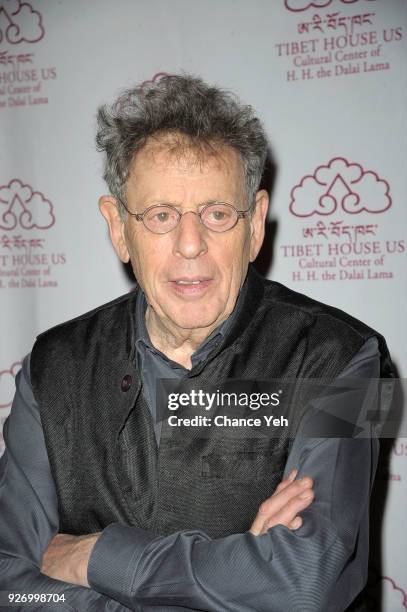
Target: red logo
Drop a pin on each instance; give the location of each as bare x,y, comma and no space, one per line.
20,204
393,595
19,22
340,186
7,385
302,5
154,79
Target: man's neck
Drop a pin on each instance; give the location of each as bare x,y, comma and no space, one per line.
178,345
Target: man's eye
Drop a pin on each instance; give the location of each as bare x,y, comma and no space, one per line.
162,217
218,215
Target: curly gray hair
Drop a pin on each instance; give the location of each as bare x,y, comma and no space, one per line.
179,104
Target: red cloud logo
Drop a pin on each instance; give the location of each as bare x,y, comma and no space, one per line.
19,203
7,384
19,22
303,5
340,185
154,79
394,596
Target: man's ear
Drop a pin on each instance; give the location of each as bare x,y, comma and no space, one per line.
258,222
109,207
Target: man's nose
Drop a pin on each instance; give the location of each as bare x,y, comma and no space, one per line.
189,236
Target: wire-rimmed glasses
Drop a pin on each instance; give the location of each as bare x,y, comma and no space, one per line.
215,216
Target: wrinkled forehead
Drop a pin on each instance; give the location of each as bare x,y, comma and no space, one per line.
182,153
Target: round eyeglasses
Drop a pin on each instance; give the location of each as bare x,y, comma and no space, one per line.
215,216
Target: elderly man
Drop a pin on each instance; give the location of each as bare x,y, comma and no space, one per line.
147,521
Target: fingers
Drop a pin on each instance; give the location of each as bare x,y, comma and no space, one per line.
296,523
279,500
284,505
287,515
284,483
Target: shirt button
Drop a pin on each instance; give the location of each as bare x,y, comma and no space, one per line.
126,382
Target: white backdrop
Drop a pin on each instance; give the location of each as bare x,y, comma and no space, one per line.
327,77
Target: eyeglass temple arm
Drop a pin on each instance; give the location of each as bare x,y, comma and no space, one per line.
137,216
242,213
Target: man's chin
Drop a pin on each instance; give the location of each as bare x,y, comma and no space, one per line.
190,320
189,324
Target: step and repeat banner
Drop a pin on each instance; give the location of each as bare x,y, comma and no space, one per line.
327,77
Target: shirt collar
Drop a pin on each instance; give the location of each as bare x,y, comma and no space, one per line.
218,334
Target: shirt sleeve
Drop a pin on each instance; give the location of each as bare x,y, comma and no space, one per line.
28,511
319,567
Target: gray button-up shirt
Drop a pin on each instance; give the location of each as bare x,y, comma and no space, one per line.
131,568
154,366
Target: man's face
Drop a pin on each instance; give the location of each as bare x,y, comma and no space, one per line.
168,266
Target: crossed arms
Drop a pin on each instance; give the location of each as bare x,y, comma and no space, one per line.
309,568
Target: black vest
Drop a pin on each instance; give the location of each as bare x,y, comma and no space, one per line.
98,429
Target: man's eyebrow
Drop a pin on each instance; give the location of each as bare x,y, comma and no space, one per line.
160,201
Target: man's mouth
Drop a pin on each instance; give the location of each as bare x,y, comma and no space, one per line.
191,281
190,286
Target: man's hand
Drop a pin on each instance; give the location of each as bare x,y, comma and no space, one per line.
290,497
67,557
